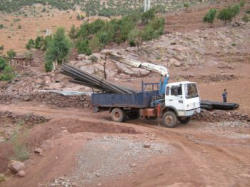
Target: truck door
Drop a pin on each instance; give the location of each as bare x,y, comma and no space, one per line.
174,97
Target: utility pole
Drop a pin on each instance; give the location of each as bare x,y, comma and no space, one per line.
147,4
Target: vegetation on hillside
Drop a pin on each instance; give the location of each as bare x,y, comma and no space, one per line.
93,7
134,28
6,71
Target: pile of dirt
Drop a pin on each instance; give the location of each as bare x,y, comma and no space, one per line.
55,99
27,119
219,115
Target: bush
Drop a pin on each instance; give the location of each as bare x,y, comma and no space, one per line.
148,16
1,47
209,17
246,18
73,32
7,73
20,149
30,44
235,10
58,48
11,53
242,3
1,26
83,47
93,58
95,44
226,14
134,37
2,63
48,66
39,41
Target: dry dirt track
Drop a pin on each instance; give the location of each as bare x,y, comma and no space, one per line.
202,154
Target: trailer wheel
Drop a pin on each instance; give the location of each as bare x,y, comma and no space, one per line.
184,120
169,119
117,115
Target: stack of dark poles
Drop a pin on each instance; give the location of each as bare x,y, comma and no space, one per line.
92,81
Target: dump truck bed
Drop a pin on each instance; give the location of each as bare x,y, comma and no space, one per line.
135,100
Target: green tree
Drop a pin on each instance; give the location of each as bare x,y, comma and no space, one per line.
135,38
11,53
30,44
2,63
209,17
95,44
225,15
83,47
73,32
58,48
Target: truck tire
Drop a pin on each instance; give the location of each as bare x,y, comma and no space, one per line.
184,120
169,119
117,115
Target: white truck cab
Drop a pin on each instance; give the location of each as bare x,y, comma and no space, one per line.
182,98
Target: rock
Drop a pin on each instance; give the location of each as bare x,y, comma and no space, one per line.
21,173
133,165
146,145
38,151
175,62
16,166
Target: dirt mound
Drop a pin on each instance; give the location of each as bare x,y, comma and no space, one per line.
53,127
79,101
218,115
28,119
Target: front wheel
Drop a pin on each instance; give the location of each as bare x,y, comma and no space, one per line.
169,119
117,115
184,120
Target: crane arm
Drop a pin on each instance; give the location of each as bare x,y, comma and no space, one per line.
135,63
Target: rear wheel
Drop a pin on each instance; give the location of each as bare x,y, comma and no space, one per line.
117,115
169,119
184,120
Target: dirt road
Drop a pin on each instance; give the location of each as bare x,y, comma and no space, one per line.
87,149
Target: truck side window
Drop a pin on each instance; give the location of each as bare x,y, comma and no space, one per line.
167,91
176,90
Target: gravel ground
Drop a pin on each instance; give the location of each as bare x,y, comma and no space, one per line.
111,156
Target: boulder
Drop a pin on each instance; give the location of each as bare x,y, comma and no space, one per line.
175,62
16,166
21,173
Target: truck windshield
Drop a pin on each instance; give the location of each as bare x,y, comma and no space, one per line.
191,91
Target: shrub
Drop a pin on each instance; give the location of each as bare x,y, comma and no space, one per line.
83,47
226,14
39,41
58,48
148,16
19,27
20,149
246,18
134,37
1,26
93,58
95,44
30,44
1,47
235,10
73,32
7,73
242,3
11,53
209,17
2,63
48,66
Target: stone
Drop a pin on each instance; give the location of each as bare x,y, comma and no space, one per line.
38,151
21,173
16,166
146,145
175,62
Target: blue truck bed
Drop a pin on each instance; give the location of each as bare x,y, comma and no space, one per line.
136,100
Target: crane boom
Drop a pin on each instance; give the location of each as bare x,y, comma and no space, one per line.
145,65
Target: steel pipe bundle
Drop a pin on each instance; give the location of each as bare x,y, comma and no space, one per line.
92,81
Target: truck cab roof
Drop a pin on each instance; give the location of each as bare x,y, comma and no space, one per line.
178,83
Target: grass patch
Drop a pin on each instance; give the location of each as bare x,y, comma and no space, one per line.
20,150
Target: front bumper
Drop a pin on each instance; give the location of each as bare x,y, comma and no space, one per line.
187,113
